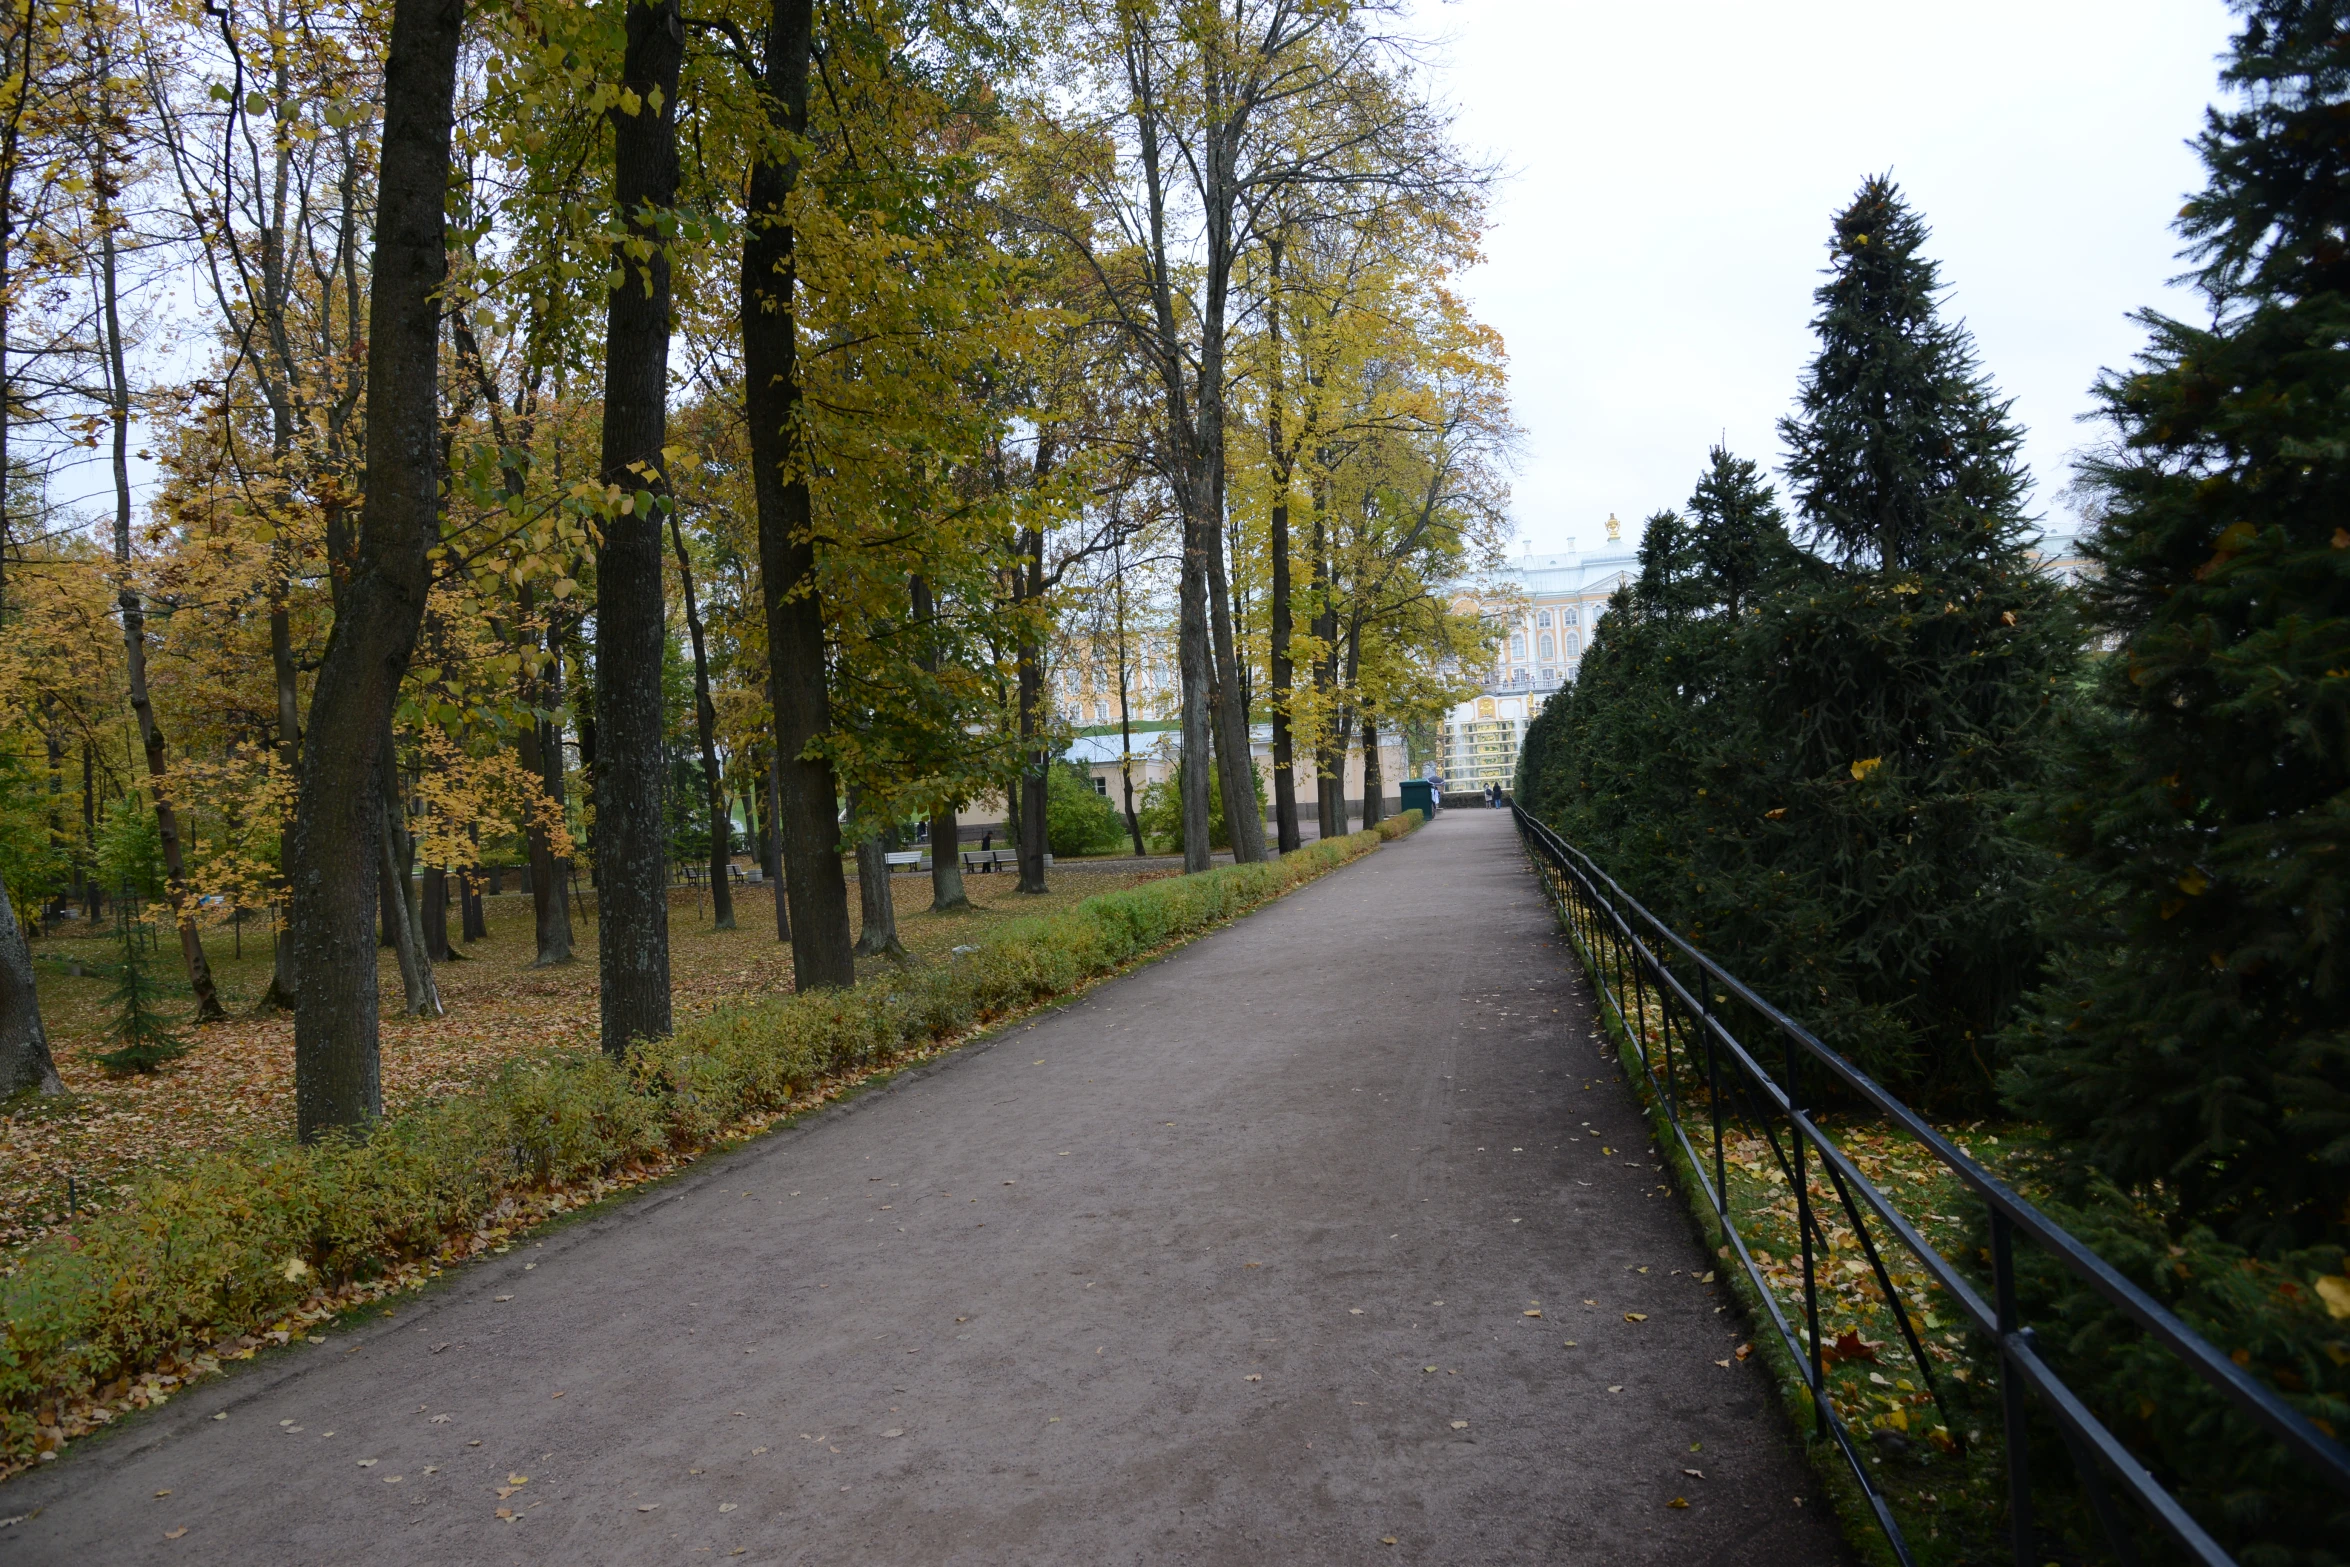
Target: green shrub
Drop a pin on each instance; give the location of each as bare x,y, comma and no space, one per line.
1077,820
237,1239
1160,810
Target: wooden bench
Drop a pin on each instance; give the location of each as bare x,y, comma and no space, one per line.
903,859
989,859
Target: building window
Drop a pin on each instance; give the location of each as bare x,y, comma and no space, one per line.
1548,647
1550,677
1101,715
1542,619
1517,644
1101,785
1574,645
1567,617
1517,677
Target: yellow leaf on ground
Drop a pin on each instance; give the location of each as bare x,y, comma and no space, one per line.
2334,1290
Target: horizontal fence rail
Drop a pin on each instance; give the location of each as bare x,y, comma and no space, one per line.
1643,970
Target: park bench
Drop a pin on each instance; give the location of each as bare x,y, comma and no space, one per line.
903,859
989,859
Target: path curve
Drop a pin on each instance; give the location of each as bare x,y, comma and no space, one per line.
1155,1278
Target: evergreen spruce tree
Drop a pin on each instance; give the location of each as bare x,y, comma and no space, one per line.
1895,690
143,1039
2197,1039
1739,533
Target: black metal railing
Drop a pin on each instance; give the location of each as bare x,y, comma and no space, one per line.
1644,972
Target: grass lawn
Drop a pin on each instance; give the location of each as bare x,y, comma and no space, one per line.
238,1081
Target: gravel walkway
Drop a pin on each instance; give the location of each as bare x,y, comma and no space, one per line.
1270,1252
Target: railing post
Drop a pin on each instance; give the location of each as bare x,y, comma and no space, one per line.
1803,1229
2011,1391
1713,1092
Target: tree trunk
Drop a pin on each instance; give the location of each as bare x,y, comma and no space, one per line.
406,912
878,936
632,765
706,722
134,632
1125,712
475,925
1191,652
946,864
1219,192
1028,818
25,1062
1374,784
775,853
436,915
540,745
1286,835
809,816
337,843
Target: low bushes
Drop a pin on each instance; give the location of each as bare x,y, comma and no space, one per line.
205,1257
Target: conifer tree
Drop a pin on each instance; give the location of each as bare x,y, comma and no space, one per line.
143,1039
1738,531
1896,690
2197,1037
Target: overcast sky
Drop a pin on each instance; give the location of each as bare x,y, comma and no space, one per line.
1673,171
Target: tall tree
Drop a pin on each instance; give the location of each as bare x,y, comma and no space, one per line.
103,177
338,821
2196,1038
808,823
632,629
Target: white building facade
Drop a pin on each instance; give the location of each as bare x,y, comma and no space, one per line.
1543,637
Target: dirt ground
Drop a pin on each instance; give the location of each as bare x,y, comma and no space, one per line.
237,1082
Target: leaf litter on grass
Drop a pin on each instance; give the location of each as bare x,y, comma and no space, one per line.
238,1083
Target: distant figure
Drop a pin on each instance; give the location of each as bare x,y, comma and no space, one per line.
1493,797
987,846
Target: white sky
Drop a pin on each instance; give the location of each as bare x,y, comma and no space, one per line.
1673,170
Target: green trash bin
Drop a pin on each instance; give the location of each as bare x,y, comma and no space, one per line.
1419,794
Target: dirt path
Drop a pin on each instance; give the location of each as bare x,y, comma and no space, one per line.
1159,1278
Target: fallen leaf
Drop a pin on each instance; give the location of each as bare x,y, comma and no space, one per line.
1566,1343
1427,1368
515,1479
173,1534
1635,1316
502,1297
756,1451
508,1515
1252,1377
1617,1389
440,1420
1723,1364
894,1431
1745,1350
394,1479
2334,1290
1678,1501
162,1493
728,1507
1697,1474
1387,1539
1460,1425
1354,1311
1530,1313
367,1463
558,1395
647,1507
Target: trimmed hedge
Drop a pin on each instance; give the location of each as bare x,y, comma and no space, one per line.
208,1255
